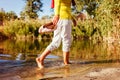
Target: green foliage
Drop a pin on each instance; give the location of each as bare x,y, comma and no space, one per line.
19,28
106,15
87,29
104,24
7,16
88,5
32,8
11,15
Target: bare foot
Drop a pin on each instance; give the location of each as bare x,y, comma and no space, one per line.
39,63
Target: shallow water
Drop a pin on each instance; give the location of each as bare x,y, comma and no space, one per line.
17,59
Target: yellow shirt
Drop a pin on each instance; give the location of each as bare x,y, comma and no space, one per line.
63,8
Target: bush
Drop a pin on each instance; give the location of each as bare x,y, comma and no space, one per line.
20,28
102,25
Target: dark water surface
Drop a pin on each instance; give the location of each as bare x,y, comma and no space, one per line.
17,59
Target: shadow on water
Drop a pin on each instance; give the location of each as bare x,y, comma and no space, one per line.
17,59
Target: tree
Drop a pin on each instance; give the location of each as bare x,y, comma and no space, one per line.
32,8
7,15
11,15
2,16
88,5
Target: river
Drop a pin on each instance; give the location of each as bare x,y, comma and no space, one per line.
17,59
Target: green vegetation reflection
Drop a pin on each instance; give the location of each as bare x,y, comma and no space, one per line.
80,50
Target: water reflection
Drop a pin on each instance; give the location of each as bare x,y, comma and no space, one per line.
20,49
87,50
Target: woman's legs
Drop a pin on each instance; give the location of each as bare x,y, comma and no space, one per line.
52,46
63,32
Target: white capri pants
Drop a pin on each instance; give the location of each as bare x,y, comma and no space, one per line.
62,33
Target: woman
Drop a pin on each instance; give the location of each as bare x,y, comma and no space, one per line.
62,20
